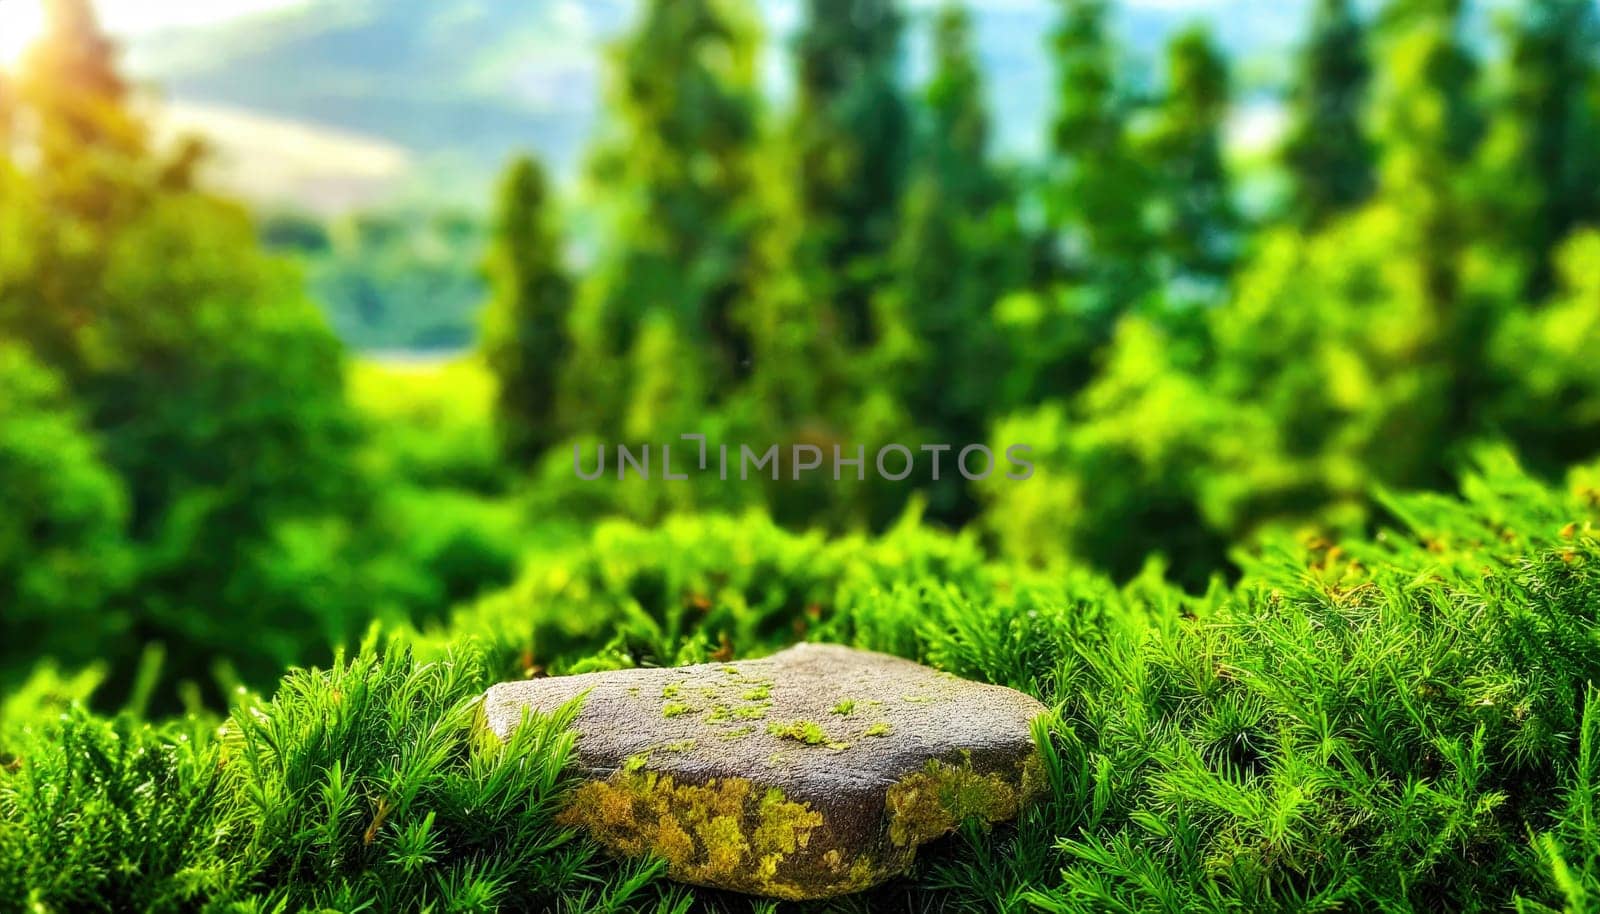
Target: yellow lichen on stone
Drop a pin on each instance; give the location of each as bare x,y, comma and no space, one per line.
717,833
932,802
779,828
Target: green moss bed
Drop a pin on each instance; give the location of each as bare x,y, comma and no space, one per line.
1391,723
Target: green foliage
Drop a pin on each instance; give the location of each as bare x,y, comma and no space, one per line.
429,423
1098,198
108,815
1197,228
1327,150
373,783
1350,726
393,278
1275,684
958,253
1557,401
1544,125
369,784
679,158
62,552
207,382
852,139
1394,722
525,336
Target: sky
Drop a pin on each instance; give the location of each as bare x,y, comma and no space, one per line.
20,20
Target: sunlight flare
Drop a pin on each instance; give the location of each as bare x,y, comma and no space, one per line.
21,23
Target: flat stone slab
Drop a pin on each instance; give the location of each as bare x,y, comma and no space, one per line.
815,772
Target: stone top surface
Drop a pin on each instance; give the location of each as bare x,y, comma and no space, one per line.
812,720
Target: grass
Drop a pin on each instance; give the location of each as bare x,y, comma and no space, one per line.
1397,723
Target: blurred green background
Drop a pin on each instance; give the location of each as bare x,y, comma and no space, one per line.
303,305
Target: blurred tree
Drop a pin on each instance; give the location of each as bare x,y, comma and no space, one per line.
294,231
958,253
1429,126
397,278
525,335
678,170
70,78
1552,412
214,388
62,552
1327,151
1102,194
1544,148
1197,227
1097,204
852,136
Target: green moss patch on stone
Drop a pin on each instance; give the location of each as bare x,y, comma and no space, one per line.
845,708
675,709
805,731
881,728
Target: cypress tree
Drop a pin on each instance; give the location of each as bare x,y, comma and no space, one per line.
852,136
1100,189
1328,153
1429,124
1429,128
958,251
1546,150
525,337
678,171
1198,231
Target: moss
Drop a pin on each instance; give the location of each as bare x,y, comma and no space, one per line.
675,709
718,714
805,731
881,728
740,733
845,708
682,745
748,713
760,692
722,832
671,690
933,801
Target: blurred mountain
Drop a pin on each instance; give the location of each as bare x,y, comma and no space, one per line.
459,86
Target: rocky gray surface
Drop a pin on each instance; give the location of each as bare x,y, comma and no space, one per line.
814,772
